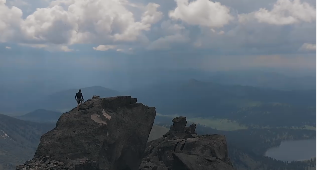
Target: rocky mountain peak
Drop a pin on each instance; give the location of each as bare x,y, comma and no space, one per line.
112,133
106,133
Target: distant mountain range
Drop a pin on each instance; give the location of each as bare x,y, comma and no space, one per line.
201,98
17,99
41,115
270,80
192,98
65,100
250,98
19,140
248,105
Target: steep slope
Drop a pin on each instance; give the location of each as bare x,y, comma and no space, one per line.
182,149
18,140
106,133
41,115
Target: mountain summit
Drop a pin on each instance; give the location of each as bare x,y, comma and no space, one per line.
112,133
106,133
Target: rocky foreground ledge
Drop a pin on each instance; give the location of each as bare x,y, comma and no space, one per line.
112,134
105,134
182,149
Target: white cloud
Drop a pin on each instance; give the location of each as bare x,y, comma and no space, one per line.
10,19
170,27
125,50
67,22
9,48
65,48
131,30
308,47
284,12
201,12
48,47
113,47
121,24
104,47
34,45
151,15
53,25
167,42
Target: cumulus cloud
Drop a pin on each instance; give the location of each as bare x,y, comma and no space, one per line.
125,50
10,19
121,24
151,15
202,13
114,47
67,22
65,48
7,47
104,47
308,47
171,27
52,25
284,12
48,47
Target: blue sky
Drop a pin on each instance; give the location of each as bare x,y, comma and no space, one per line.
71,39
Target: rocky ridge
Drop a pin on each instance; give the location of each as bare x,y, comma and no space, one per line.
105,134
112,134
182,149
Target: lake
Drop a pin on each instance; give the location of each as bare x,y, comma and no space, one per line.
295,150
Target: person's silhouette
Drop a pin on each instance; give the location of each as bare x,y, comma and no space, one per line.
79,98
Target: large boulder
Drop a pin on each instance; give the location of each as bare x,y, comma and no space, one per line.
182,149
105,134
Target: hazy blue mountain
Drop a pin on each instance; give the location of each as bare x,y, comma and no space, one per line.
41,115
17,91
19,139
206,99
65,100
265,79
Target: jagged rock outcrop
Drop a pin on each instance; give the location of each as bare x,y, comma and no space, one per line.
182,149
105,134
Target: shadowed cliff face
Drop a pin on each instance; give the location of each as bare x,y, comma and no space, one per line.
106,133
182,149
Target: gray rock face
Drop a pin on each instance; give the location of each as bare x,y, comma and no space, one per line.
105,134
182,149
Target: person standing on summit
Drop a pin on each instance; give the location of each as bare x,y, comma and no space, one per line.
79,98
